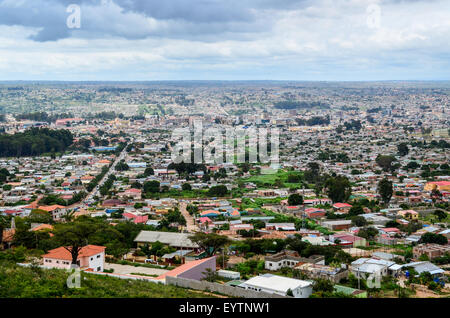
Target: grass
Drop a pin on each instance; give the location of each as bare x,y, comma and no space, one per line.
21,282
269,180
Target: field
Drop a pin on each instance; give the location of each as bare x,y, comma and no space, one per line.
270,180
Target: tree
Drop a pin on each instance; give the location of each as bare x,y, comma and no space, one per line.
186,187
403,149
434,238
385,189
209,242
338,188
368,233
385,162
149,171
218,191
122,166
356,210
295,199
441,215
73,236
151,186
323,285
359,220
293,178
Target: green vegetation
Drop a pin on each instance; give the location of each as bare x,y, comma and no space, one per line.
35,142
35,282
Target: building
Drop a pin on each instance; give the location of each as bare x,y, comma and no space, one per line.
90,257
177,240
229,274
364,267
337,225
432,251
196,270
290,259
274,284
333,274
439,185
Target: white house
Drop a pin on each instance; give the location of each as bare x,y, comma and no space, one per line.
274,284
90,257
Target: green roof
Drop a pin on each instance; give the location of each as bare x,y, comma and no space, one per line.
350,291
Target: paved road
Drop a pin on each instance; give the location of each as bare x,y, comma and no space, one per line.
95,191
128,269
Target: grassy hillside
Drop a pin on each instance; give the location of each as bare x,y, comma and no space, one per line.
17,282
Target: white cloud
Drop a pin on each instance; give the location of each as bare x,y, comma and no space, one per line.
321,39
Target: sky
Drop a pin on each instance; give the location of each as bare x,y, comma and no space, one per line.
145,40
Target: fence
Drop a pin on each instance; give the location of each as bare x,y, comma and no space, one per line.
219,288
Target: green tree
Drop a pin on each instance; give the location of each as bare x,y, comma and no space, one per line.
434,238
186,187
338,188
209,242
152,186
385,162
385,189
403,149
73,236
218,191
295,199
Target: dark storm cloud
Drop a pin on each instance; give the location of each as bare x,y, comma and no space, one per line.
189,19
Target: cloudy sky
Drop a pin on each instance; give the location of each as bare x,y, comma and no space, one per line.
225,39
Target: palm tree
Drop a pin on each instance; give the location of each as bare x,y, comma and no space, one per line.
69,216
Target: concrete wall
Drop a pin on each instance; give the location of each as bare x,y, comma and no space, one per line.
219,288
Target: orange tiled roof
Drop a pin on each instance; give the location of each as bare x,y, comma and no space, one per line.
86,251
43,227
8,235
50,208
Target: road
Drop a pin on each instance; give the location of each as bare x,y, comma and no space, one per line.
95,191
191,227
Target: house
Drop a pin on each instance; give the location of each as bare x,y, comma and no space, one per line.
439,185
314,213
390,231
336,225
408,214
342,207
316,240
316,271
280,226
177,240
229,274
287,258
425,267
274,284
210,213
348,239
57,211
432,251
364,267
192,270
234,228
90,257
133,193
